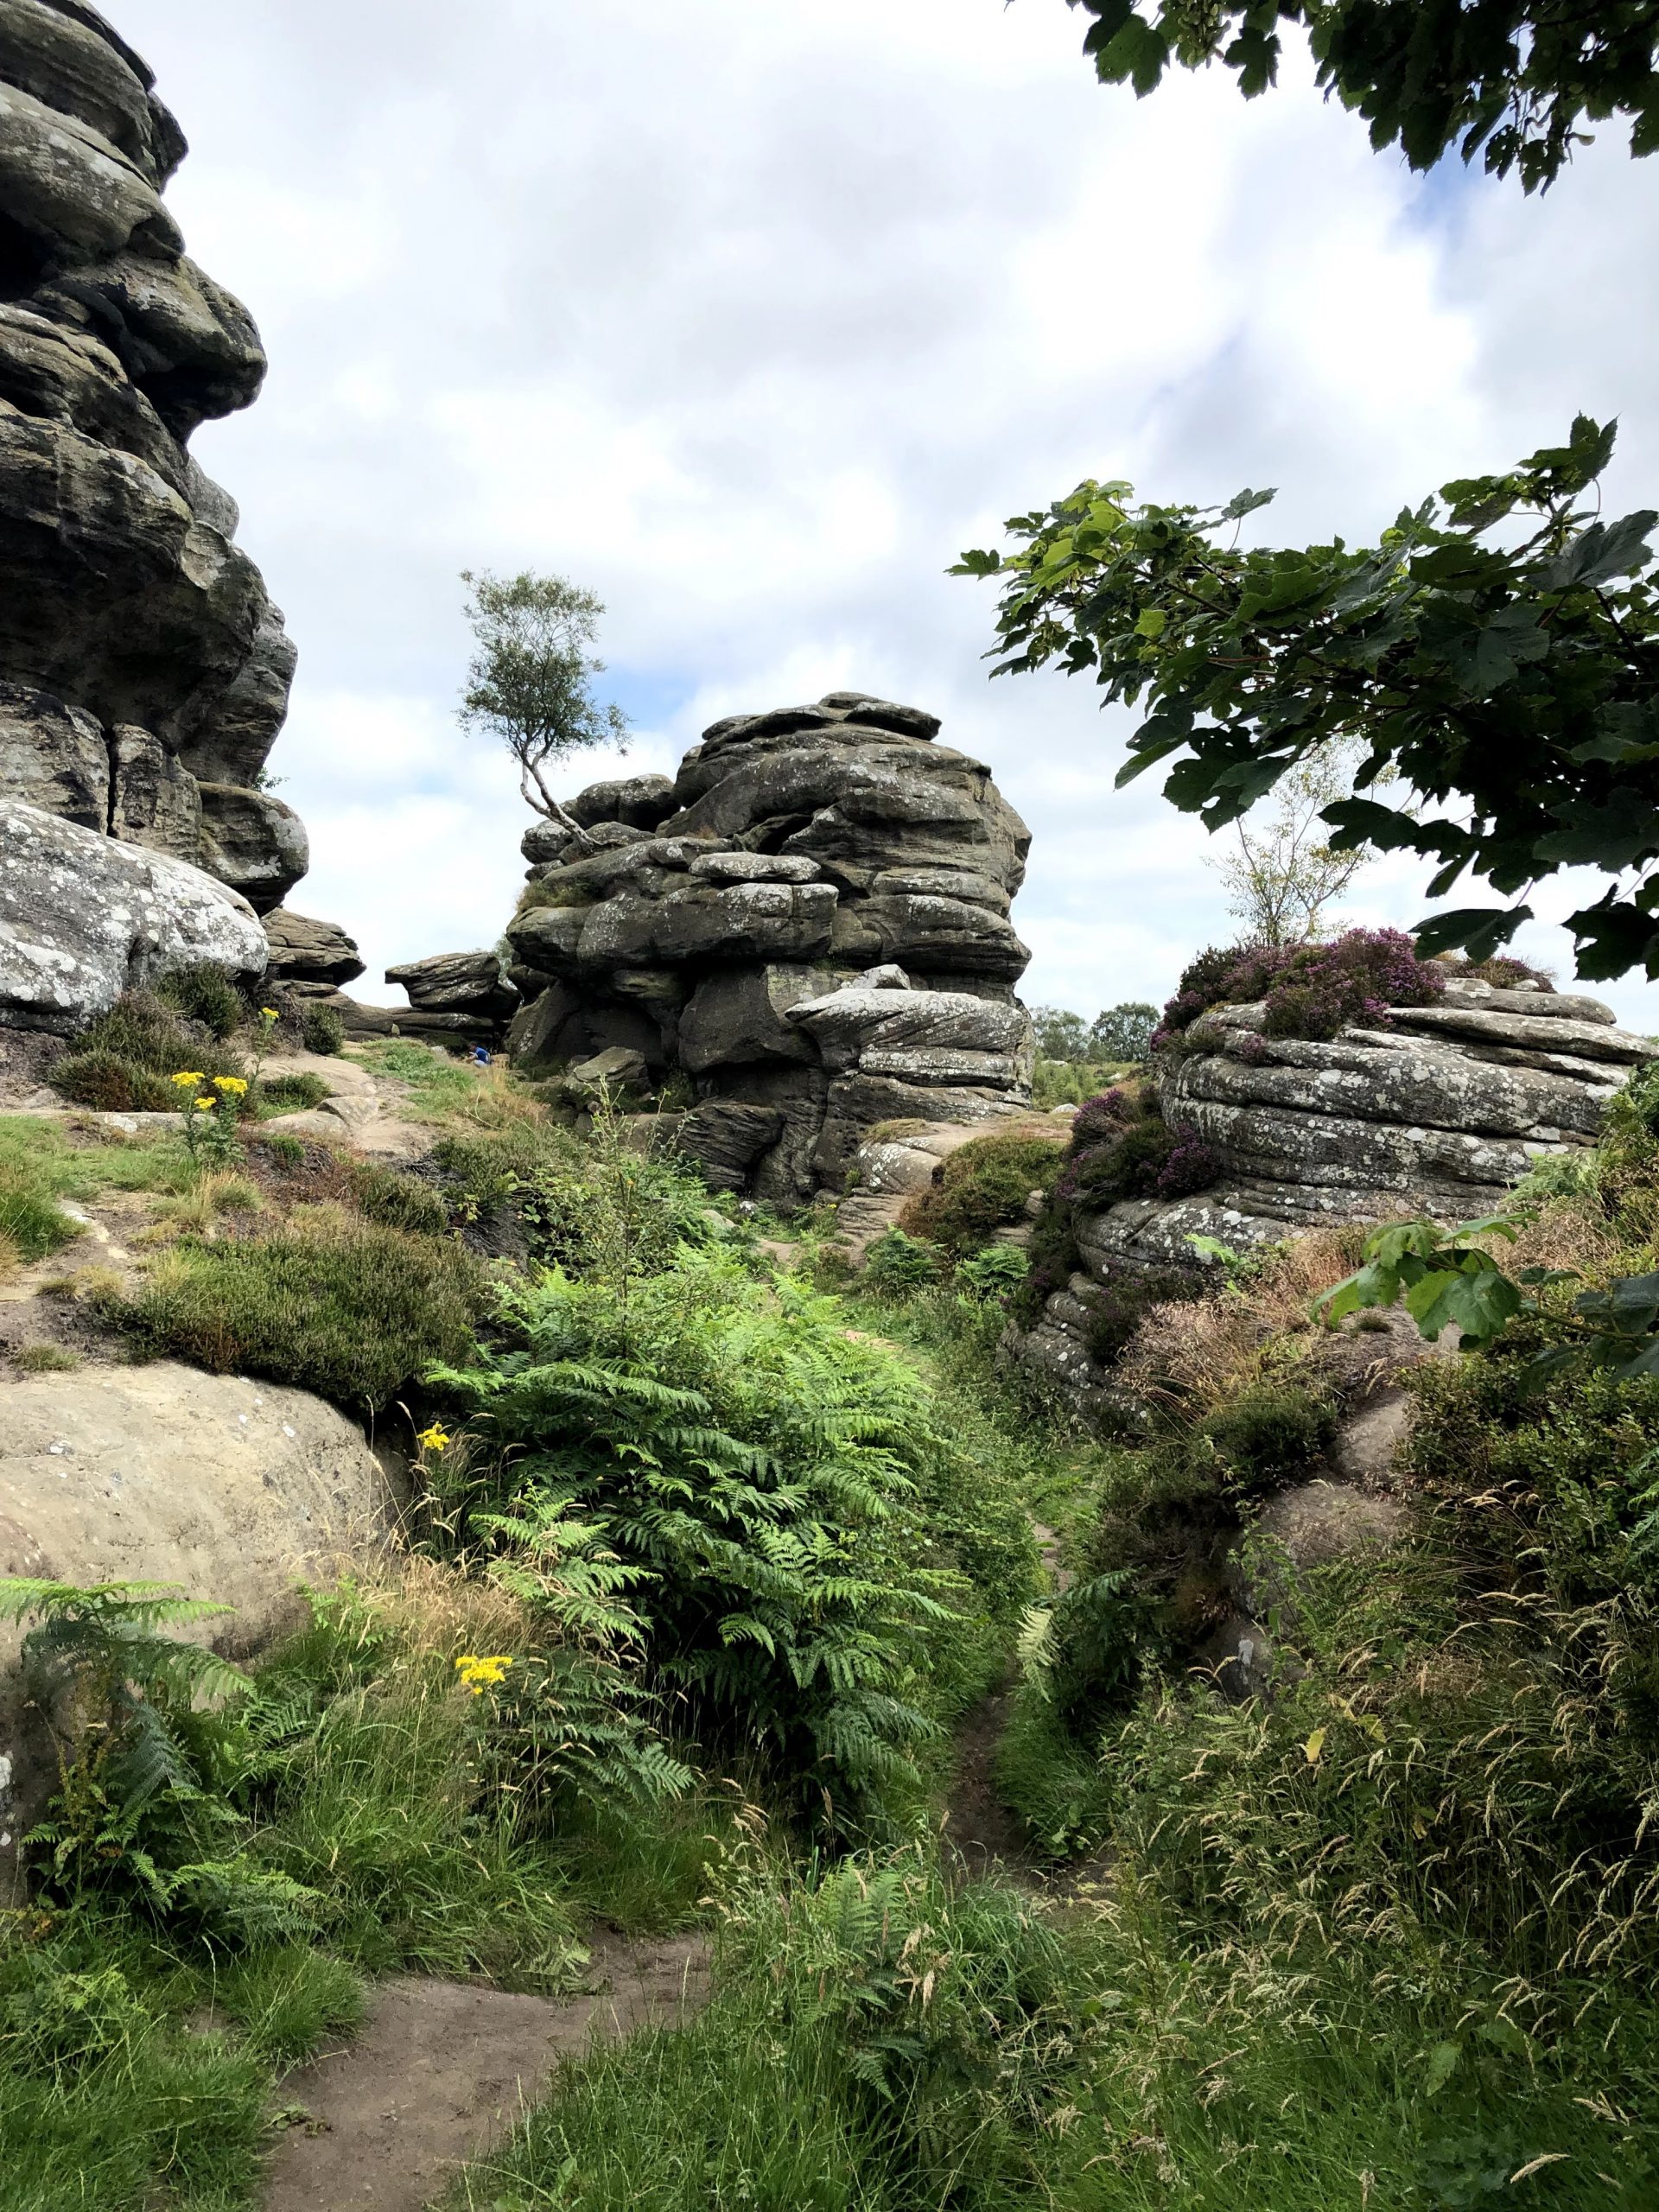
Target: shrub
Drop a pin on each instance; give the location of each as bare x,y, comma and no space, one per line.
996,1272
983,1186
290,1094
1270,1434
204,994
753,1471
1118,1301
897,1265
335,1304
122,1062
139,1813
322,1030
381,1194
878,2037
1309,990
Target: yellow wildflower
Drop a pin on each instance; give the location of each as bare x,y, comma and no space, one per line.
191,1077
435,1438
206,1105
477,1672
232,1084
267,1013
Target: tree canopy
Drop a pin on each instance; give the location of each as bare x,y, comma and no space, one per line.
1498,651
530,682
1510,79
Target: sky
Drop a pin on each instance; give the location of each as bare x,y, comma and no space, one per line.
750,315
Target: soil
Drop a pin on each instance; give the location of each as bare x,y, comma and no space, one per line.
978,1826
442,2071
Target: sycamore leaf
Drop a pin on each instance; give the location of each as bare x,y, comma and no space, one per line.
1605,550
1477,931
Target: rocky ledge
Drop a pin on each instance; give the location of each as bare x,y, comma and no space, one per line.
1439,1113
809,923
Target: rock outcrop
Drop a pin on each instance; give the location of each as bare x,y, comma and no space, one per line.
809,923
306,951
143,671
234,1490
1438,1114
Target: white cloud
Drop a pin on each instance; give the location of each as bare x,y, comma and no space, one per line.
752,315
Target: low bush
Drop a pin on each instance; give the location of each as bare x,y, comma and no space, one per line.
982,1188
338,1304
122,1063
1119,1297
1269,1435
1309,990
394,1200
876,2040
897,1264
290,1094
204,994
322,1031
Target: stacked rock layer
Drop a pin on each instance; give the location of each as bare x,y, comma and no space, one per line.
143,671
1439,1115
810,923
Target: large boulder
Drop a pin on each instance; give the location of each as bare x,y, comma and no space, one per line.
236,1491
307,951
456,983
808,866
143,671
84,917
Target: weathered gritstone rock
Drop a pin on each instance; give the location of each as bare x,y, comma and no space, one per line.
307,951
144,672
235,1491
811,922
1439,1114
84,918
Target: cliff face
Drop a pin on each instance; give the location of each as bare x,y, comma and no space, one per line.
810,923
143,671
1438,1114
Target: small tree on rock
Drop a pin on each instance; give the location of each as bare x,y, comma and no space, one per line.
531,680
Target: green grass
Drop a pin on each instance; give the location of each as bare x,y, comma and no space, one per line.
820,2078
136,2074
440,1088
40,1164
1069,1082
43,1155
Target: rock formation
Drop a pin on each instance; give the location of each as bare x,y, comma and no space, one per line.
310,953
143,671
809,923
1438,1114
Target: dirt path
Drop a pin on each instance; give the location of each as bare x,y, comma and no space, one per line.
442,2069
978,1826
